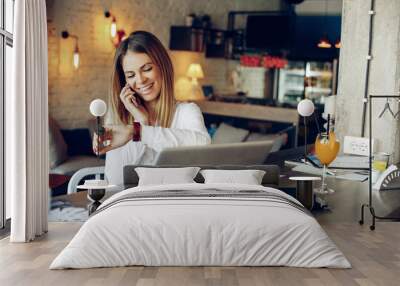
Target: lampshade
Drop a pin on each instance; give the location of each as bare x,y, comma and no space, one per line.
305,107
324,43
98,107
195,71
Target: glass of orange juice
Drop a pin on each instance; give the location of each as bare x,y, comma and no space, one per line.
326,149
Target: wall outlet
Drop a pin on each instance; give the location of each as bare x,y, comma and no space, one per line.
357,145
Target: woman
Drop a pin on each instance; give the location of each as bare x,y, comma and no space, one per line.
144,116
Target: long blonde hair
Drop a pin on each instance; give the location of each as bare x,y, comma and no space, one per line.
144,42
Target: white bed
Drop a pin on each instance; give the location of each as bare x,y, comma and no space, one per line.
185,230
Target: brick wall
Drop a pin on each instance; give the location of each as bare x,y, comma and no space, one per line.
71,91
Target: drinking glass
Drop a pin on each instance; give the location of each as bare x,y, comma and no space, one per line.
326,150
380,162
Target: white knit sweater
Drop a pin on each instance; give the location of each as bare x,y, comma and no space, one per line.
187,129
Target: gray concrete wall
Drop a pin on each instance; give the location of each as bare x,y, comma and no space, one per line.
384,71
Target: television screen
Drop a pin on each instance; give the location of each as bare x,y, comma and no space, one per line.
268,32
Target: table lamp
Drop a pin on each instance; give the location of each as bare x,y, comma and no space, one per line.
305,108
195,72
98,108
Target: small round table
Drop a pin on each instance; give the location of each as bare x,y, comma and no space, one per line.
304,190
94,194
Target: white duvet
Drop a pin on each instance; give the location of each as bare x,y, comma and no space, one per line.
200,231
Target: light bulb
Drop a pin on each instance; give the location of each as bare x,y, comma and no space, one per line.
113,28
98,107
305,107
76,60
324,44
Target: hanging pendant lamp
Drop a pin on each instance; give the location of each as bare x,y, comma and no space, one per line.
324,42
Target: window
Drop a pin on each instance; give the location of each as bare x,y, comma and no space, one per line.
6,65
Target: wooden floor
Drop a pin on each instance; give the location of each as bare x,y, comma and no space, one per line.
374,255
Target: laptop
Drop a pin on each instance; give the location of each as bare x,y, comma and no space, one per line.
243,153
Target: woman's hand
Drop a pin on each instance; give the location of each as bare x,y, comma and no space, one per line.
132,104
117,135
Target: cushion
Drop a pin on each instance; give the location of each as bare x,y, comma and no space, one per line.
57,146
79,141
277,138
162,176
254,136
75,163
248,177
229,134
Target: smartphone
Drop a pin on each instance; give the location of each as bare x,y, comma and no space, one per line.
138,98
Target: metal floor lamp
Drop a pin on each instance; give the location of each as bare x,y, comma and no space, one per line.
370,205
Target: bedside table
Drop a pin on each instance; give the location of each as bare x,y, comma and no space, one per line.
304,190
95,194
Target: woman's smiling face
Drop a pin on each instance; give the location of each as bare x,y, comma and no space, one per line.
142,75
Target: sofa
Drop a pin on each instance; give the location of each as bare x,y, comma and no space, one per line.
226,134
70,150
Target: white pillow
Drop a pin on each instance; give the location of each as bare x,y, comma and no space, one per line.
248,177
228,134
163,176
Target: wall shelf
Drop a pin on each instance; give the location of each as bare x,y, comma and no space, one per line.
250,111
212,41
184,38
